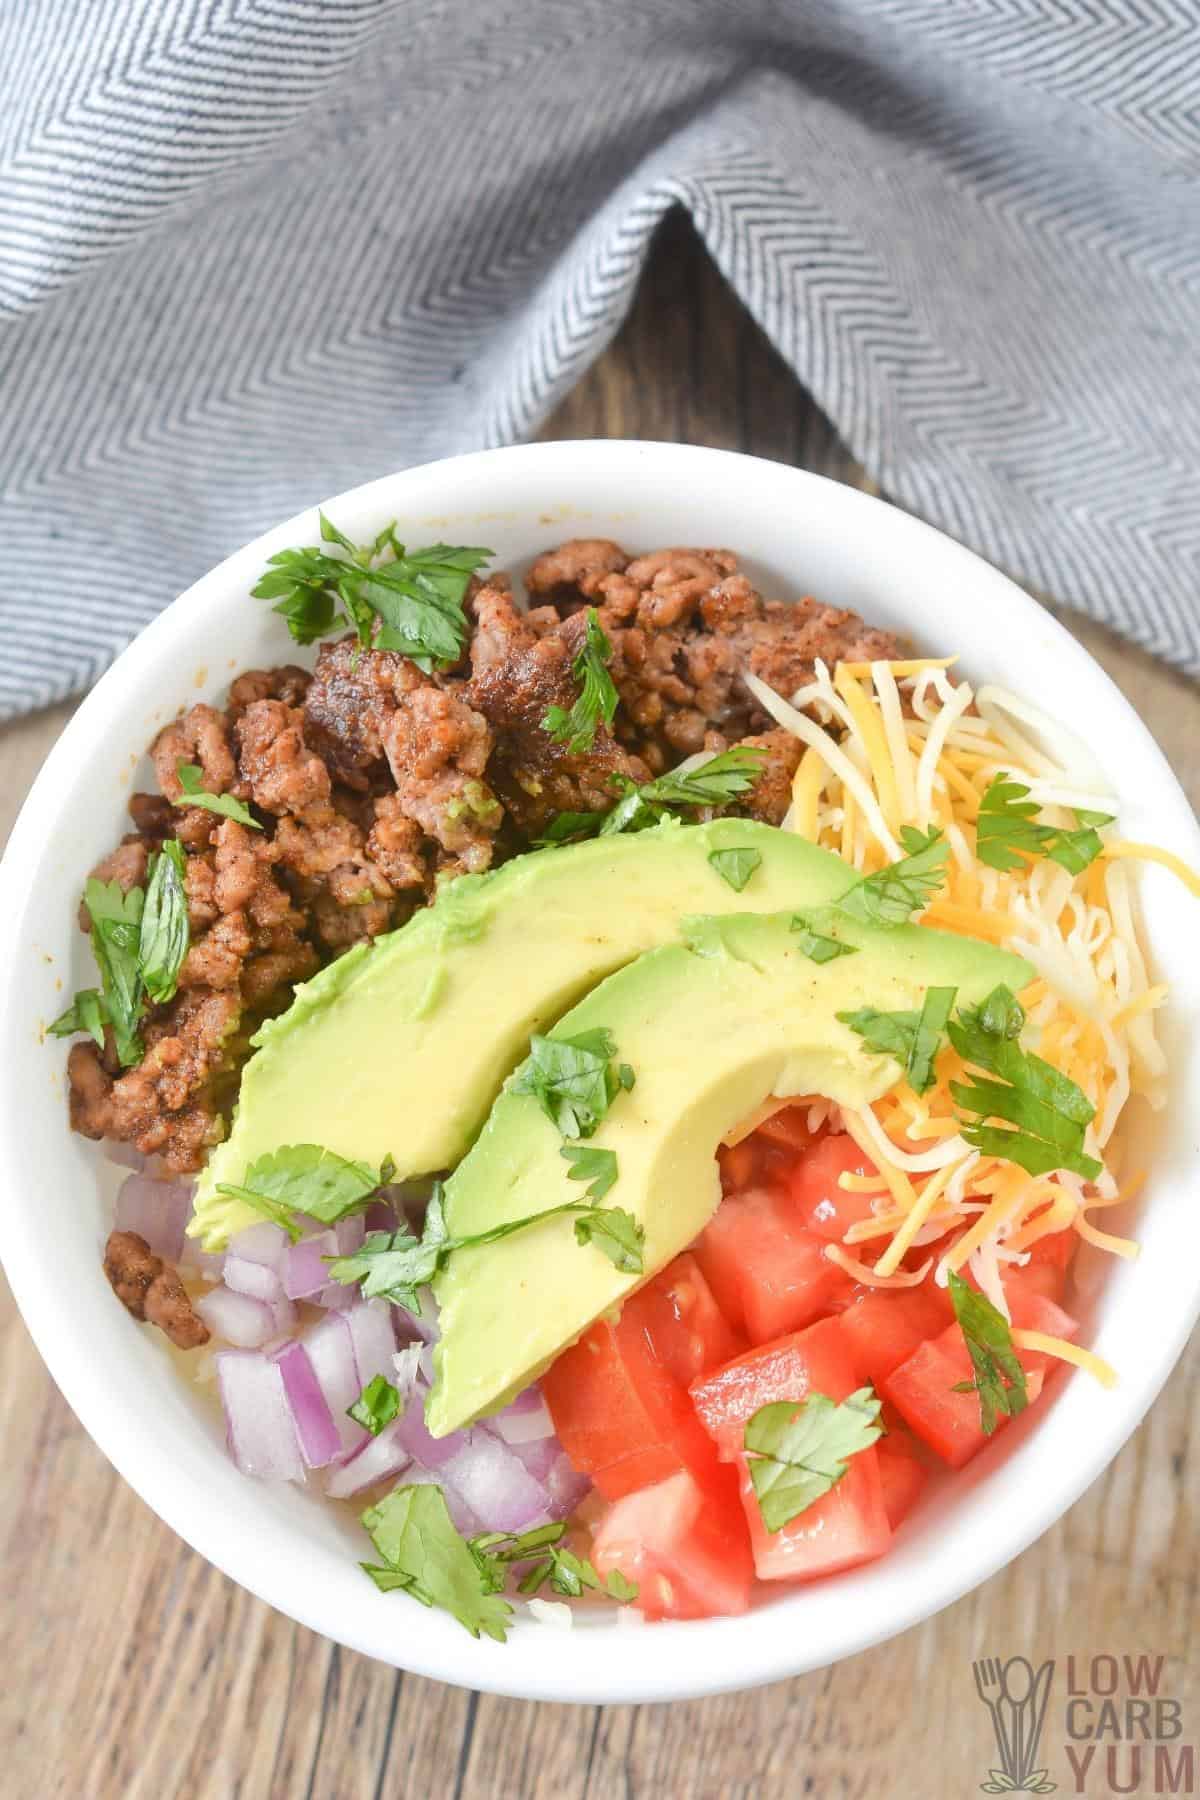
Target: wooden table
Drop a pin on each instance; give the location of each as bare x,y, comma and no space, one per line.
135,1670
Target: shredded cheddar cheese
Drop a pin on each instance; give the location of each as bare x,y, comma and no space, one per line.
895,744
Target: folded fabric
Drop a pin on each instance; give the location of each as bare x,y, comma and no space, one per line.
255,251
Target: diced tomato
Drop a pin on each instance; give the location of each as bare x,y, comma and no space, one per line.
619,1398
883,1328
737,1165
902,1475
769,1274
848,1525
822,1205
686,1547
1057,1248
787,1129
921,1388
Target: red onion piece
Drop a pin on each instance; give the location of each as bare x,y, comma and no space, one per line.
496,1485
429,1451
205,1262
370,1327
263,1244
336,1297
258,1424
350,1234
464,1519
305,1272
315,1429
157,1210
253,1278
331,1352
567,1487
525,1421
237,1318
124,1155
380,1458
539,1457
379,1216
405,1363
425,1328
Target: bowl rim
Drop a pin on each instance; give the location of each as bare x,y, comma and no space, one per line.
741,1657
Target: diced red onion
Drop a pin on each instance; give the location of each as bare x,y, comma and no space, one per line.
405,1362
566,1486
336,1297
261,1436
425,1364
263,1244
379,1216
157,1210
284,1315
429,1451
426,1327
205,1262
237,1318
331,1352
318,1436
253,1278
380,1458
463,1518
525,1421
305,1272
496,1485
350,1234
539,1457
370,1327
124,1155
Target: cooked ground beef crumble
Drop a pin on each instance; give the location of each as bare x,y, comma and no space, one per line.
375,782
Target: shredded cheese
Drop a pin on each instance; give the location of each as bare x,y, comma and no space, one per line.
1095,1365
1152,853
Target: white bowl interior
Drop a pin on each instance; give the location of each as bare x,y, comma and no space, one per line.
799,534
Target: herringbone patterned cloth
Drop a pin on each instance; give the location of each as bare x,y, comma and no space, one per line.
255,251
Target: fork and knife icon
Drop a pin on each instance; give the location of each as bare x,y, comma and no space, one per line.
1016,1696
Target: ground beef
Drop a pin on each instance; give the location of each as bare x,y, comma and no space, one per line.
151,1290
372,782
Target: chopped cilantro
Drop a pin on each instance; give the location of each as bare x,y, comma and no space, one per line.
999,1378
573,1079
913,1038
190,776
163,936
1048,1112
817,945
1008,830
542,1549
376,1406
892,895
597,695
588,1163
309,1180
799,1449
713,783
421,1551
735,865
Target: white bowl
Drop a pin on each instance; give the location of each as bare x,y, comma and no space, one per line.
800,534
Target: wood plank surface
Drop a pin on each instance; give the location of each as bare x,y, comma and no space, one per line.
136,1671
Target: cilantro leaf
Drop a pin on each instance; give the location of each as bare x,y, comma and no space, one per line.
422,1552
735,865
306,1179
913,1038
87,1012
376,1406
190,777
799,1449
999,1378
597,695
1048,1112
893,894
590,1164
116,937
612,1230
411,601
1008,830
572,1080
163,937
816,945
548,1560
713,783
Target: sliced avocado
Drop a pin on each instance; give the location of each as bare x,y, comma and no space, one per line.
399,1048
712,1027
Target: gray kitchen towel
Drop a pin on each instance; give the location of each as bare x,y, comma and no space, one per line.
255,251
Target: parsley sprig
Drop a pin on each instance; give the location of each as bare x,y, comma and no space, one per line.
1048,1114
139,940
1008,830
393,598
893,894
716,782
396,1265
305,1181
597,695
999,1378
799,1449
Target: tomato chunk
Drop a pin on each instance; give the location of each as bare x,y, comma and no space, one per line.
921,1389
769,1273
884,1328
822,1205
619,1398
849,1524
686,1547
901,1474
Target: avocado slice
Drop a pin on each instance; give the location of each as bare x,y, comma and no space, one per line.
712,1027
399,1048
